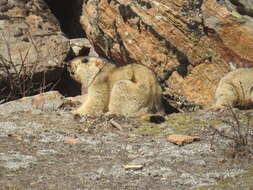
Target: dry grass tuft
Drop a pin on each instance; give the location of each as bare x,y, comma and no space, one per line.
239,135
20,80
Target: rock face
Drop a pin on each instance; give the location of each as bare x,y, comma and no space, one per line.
48,101
188,43
31,45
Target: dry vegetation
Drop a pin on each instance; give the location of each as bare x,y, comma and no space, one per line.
238,136
20,79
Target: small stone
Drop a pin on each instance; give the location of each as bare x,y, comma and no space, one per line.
133,167
182,139
69,140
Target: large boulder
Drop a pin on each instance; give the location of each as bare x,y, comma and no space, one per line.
32,48
189,44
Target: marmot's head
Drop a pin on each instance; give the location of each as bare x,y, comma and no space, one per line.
85,69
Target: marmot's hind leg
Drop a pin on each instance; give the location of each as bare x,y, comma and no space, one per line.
129,98
89,107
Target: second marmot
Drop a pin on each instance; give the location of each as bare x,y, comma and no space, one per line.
235,89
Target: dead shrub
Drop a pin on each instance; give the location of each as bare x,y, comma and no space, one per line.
238,137
19,79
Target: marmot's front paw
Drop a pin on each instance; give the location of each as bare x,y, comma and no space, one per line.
216,108
79,112
75,112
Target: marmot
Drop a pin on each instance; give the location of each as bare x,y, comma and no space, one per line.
235,89
130,90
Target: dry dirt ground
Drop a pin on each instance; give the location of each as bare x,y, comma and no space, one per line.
50,149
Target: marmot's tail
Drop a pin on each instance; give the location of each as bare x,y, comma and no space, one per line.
157,99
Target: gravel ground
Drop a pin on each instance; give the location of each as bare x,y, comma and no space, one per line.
51,149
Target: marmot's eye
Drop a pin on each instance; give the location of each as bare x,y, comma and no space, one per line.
85,60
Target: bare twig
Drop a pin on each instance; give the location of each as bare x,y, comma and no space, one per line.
116,124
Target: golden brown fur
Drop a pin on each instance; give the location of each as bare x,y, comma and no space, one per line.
235,89
130,90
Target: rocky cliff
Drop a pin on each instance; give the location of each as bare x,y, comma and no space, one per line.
190,44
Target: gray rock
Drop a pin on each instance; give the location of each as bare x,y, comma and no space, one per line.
14,160
81,46
46,152
49,101
7,127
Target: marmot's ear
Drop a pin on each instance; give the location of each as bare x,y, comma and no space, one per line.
99,64
85,60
